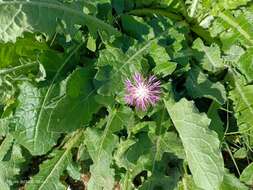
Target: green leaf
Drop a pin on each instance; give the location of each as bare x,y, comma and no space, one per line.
160,177
234,53
118,5
145,152
187,183
25,48
209,57
124,117
200,143
230,182
74,170
242,97
142,126
5,146
241,153
245,64
135,27
193,8
232,29
247,175
4,126
198,85
100,145
11,166
161,58
76,108
32,116
165,69
231,4
115,67
216,123
167,142
51,170
42,15
8,171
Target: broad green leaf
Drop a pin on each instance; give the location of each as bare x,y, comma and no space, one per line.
247,175
10,167
200,143
51,170
193,7
163,142
234,53
135,155
6,146
242,97
231,4
132,157
4,126
41,16
209,57
25,48
187,183
32,116
142,126
146,153
8,171
76,108
216,123
115,67
160,178
241,153
136,27
100,146
73,170
198,85
167,142
124,117
161,58
230,182
118,5
245,64
233,29
165,69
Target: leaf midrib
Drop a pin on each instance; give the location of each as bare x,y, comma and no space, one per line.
236,26
48,93
193,8
106,130
91,19
209,57
199,166
73,140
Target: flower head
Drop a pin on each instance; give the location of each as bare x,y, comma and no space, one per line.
142,92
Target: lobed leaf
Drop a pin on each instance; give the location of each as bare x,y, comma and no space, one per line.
200,143
198,85
31,118
76,108
51,170
21,16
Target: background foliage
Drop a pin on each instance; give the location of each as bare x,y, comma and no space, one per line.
63,119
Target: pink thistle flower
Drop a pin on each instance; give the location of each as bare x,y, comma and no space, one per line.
142,92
